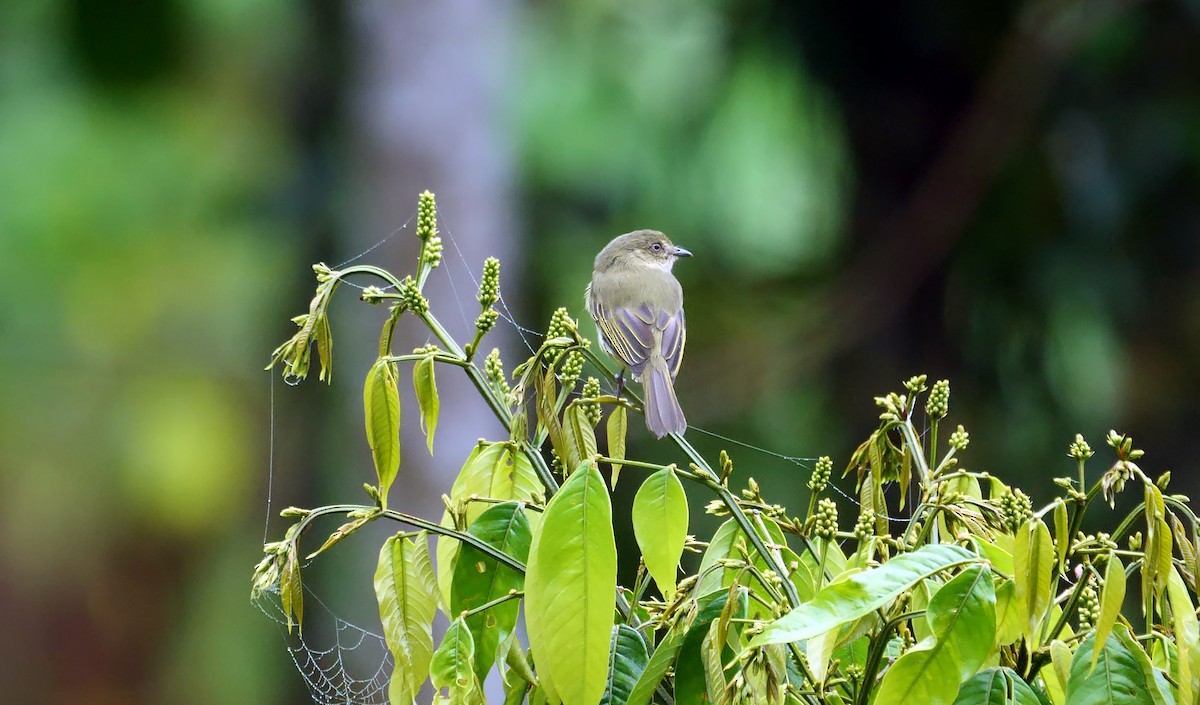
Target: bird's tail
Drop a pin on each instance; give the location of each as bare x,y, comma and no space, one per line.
663,414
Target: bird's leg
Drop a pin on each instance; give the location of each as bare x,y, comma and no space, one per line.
620,382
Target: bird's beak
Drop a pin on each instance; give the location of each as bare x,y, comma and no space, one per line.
680,252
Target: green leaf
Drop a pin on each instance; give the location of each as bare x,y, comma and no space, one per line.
1033,570
291,590
660,524
626,662
1062,538
381,403
712,650
1187,638
1009,624
719,547
570,587
546,402
1157,563
580,435
405,591
660,663
425,385
998,686
1112,596
615,431
495,470
862,593
1057,673
451,668
480,578
691,678
324,348
962,617
1117,679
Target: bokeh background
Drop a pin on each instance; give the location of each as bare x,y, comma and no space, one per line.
1006,194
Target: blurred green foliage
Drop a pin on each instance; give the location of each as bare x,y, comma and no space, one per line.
150,157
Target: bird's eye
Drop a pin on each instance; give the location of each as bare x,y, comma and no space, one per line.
657,247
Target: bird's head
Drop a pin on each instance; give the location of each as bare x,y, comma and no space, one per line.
647,248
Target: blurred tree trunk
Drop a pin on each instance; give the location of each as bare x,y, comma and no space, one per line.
425,112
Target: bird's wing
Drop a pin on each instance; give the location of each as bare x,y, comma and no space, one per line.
628,332
674,336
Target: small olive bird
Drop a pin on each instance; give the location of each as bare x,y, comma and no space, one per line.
638,307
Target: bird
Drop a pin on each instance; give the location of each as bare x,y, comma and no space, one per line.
637,304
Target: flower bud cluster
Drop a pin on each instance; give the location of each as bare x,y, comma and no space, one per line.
1089,608
1016,507
431,248
591,389
493,367
1080,450
938,404
486,320
825,520
571,368
820,474
960,439
412,297
489,283
864,528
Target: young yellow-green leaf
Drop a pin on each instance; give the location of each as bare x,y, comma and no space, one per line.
405,591
1062,538
496,470
381,404
451,668
571,583
546,403
580,435
1008,618
862,593
480,579
291,591
660,523
711,655
627,660
1058,673
1187,638
719,547
962,617
616,428
1158,547
1033,572
425,385
324,348
1112,596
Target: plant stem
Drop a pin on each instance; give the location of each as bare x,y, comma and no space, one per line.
513,595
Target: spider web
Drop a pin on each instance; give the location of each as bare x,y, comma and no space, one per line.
355,668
